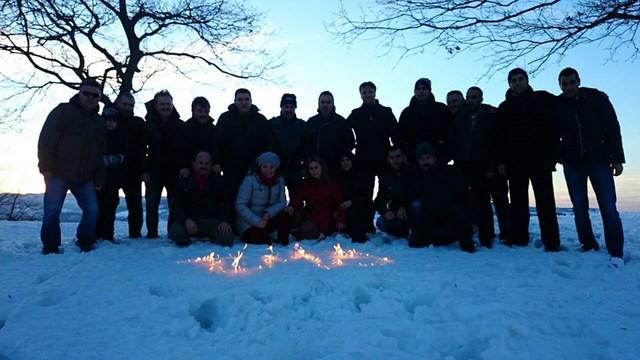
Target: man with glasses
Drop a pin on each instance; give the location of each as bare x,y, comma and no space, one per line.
590,148
70,149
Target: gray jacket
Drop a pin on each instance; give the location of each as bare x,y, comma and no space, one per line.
255,199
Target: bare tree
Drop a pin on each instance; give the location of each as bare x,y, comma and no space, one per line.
125,43
504,31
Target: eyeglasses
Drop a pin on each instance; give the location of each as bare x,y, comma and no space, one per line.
90,94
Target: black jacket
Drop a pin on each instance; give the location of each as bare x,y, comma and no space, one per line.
329,138
373,126
118,146
241,138
201,137
424,122
526,134
132,128
289,137
473,137
354,187
588,128
441,187
167,142
72,142
189,202
395,189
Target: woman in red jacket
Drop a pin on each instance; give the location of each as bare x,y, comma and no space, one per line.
317,202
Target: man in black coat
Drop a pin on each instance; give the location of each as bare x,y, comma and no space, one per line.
289,135
132,129
70,149
201,131
329,136
424,120
373,125
166,155
440,215
590,148
471,143
395,194
527,153
357,202
242,134
201,206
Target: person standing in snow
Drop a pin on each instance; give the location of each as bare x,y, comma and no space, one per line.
356,198
289,133
260,203
590,148
527,153
201,205
70,149
201,132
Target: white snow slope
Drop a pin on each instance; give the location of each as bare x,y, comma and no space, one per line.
142,300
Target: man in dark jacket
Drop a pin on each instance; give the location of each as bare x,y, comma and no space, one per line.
289,135
201,131
424,120
373,125
132,129
440,215
201,206
497,183
70,149
357,201
527,153
243,134
455,102
395,194
166,155
590,148
471,143
328,134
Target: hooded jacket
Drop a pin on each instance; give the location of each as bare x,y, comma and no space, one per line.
373,126
167,142
329,138
72,142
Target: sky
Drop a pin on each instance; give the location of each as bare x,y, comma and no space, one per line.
315,60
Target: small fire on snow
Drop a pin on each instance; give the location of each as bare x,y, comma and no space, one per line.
239,264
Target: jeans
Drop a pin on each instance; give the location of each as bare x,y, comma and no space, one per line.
603,185
55,193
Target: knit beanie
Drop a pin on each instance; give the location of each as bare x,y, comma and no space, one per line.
268,158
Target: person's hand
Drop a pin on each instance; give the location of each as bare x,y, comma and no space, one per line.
266,216
191,226
345,205
145,177
617,169
262,224
184,172
217,169
502,169
341,227
224,228
401,213
389,215
289,210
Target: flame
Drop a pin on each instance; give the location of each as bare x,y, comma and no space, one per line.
299,253
339,257
269,260
236,260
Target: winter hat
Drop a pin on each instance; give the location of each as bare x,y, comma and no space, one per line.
268,158
110,113
517,71
424,148
423,82
289,99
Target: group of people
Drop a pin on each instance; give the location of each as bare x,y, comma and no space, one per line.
439,166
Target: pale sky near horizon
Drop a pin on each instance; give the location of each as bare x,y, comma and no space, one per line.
315,61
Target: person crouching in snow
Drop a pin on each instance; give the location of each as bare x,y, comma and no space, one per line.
201,206
317,202
261,201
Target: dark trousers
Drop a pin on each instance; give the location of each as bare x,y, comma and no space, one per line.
545,207
357,217
280,224
440,226
370,211
55,193
480,200
157,182
499,191
233,178
133,196
395,227
108,200
207,228
603,185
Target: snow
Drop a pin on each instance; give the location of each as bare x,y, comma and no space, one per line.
143,299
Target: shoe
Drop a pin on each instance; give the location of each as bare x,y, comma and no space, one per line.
588,247
468,248
51,250
616,262
84,247
152,235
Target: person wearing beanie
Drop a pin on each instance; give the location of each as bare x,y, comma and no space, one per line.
260,203
394,194
328,134
357,202
527,153
288,133
70,148
424,119
439,213
201,132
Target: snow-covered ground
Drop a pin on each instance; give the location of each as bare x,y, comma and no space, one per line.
143,299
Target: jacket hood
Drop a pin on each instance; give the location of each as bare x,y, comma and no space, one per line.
509,95
194,121
152,114
430,100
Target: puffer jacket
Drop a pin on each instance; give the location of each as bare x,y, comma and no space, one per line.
255,199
